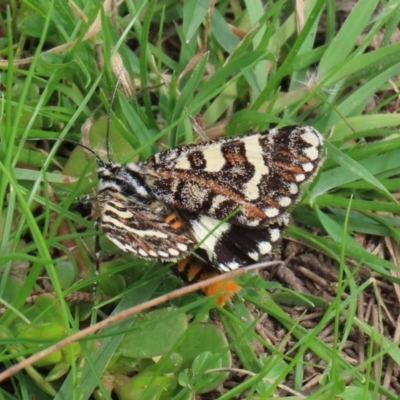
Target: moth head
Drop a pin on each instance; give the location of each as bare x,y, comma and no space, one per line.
125,179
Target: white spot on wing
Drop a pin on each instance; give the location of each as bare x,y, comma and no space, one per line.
307,167
285,201
254,153
253,255
183,163
293,188
173,252
311,137
163,254
181,246
264,247
274,234
300,177
230,266
201,228
311,153
142,252
271,212
214,158
251,222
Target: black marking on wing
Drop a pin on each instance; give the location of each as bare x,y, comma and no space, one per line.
257,174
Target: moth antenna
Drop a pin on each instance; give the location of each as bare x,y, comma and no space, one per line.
113,96
98,159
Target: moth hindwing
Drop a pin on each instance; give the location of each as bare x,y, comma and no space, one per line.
164,207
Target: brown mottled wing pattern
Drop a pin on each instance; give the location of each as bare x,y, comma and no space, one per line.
149,231
256,175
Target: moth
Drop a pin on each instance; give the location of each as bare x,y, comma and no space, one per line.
227,199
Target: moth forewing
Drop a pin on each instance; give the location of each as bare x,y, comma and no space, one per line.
257,174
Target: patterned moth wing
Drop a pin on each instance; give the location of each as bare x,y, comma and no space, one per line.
256,177
134,220
228,246
175,201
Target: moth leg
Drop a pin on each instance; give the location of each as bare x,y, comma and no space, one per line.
97,251
97,247
86,199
